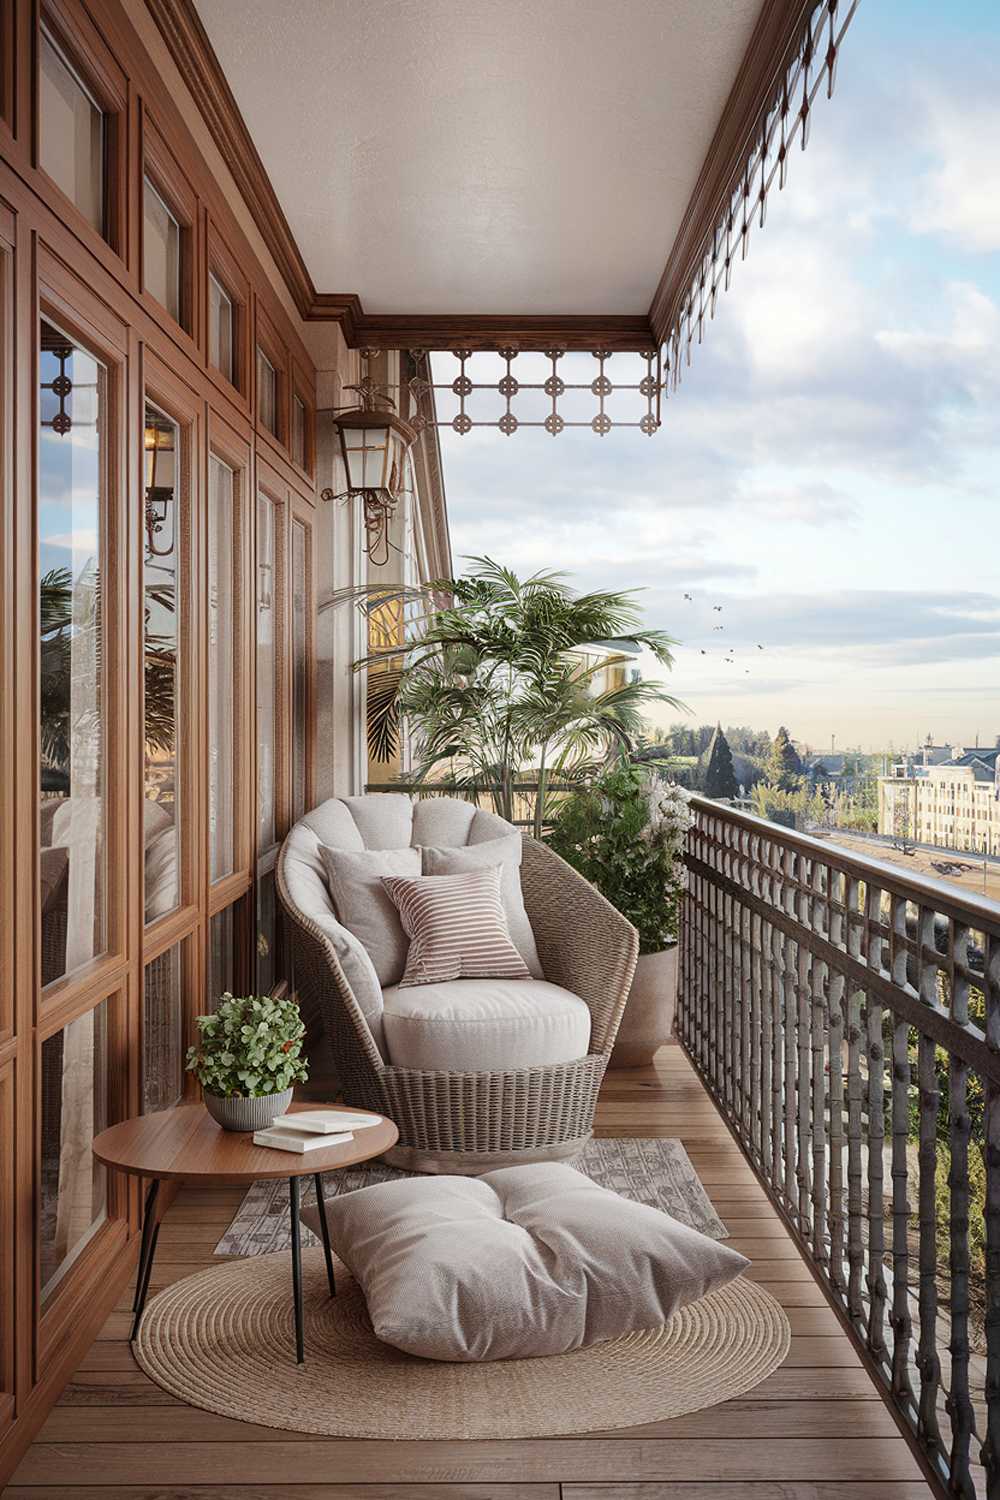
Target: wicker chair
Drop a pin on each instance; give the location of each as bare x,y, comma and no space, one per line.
457,1121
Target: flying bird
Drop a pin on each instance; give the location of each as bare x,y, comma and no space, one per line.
688,596
760,648
717,608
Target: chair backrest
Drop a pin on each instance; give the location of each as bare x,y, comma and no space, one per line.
384,820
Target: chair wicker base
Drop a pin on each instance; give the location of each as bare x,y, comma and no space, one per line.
474,1163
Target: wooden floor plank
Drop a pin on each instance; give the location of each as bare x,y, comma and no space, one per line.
817,1429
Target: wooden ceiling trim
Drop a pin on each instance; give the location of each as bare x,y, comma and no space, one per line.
776,36
180,26
487,331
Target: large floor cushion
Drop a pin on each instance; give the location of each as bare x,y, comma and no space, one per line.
483,1025
524,1261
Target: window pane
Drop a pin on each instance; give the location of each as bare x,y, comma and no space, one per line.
160,600
161,251
265,672
300,666
221,965
267,393
299,431
162,1032
72,483
222,647
220,328
71,133
74,1110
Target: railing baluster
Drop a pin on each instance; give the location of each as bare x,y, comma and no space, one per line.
855,1207
928,1359
838,995
991,1444
759,1042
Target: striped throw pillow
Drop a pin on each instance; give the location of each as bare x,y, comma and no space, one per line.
457,927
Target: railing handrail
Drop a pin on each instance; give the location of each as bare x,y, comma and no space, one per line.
972,910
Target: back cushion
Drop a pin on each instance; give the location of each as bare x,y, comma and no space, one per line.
363,906
505,852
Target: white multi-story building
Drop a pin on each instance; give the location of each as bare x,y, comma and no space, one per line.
955,804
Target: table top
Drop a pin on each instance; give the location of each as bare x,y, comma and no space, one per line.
185,1143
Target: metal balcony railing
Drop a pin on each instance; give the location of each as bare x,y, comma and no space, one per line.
846,1020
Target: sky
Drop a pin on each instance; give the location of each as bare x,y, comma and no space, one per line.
829,470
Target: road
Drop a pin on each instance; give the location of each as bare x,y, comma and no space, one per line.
954,867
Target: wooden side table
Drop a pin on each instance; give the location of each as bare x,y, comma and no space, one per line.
185,1144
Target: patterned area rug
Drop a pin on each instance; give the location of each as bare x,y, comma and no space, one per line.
657,1172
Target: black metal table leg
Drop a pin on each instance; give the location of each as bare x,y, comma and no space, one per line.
293,1194
324,1230
147,1249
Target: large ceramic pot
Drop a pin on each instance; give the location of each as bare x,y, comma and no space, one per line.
648,1019
247,1114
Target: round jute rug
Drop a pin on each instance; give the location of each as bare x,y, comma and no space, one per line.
223,1339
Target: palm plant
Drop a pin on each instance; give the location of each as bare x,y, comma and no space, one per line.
490,679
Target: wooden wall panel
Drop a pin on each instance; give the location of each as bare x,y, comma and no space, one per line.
53,261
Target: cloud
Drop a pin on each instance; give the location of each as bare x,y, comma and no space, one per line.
958,195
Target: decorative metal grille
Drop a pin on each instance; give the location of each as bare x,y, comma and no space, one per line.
535,390
787,116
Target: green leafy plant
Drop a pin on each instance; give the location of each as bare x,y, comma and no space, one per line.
625,833
250,1047
492,686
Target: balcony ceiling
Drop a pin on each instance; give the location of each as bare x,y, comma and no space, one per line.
437,157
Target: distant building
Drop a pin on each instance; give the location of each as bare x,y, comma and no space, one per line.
953,803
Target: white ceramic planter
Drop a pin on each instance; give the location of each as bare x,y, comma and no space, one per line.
648,1020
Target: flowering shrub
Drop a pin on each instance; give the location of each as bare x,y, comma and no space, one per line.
250,1047
625,832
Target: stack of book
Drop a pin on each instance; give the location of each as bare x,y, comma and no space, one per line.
310,1129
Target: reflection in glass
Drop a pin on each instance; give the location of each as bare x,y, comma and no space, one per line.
266,663
70,133
72,484
162,1032
221,657
161,442
73,1202
267,393
267,934
221,325
161,250
221,965
299,452
300,659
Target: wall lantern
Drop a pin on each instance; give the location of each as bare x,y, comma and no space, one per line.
374,443
158,445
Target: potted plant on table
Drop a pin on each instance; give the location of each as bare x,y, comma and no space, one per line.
625,833
247,1057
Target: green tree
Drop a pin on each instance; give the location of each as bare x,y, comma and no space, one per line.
720,778
492,685
793,808
784,768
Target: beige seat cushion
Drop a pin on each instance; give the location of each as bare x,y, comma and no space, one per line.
525,1261
484,1025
